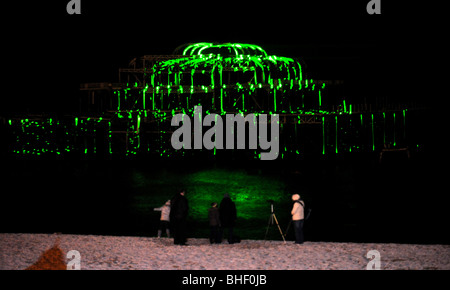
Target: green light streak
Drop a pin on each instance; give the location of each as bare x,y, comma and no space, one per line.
221,100
138,126
323,136
336,130
275,100
144,91
320,98
118,100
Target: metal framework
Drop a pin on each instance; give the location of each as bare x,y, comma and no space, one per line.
133,115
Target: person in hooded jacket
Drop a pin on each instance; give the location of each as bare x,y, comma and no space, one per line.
165,219
227,211
298,216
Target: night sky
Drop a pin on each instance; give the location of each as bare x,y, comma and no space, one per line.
49,53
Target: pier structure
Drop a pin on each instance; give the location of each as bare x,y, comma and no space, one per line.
132,116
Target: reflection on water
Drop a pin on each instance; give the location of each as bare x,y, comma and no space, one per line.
352,200
249,191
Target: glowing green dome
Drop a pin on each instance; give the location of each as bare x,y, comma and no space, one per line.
230,72
224,49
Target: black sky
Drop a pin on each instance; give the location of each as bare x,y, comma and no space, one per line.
49,53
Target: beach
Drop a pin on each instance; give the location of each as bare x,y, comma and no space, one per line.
20,251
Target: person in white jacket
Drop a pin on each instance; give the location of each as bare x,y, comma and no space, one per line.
298,216
164,221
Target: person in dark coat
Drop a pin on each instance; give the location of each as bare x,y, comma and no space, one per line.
214,224
227,211
178,215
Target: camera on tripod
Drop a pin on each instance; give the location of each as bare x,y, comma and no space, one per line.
271,201
273,219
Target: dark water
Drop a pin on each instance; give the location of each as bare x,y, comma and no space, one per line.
353,198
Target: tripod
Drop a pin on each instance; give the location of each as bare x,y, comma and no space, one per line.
273,218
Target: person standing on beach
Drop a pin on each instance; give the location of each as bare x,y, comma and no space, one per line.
297,213
227,211
165,218
178,216
214,224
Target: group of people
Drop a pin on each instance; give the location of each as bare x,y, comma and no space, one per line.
174,216
220,218
175,211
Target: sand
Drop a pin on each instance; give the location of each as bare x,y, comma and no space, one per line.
22,251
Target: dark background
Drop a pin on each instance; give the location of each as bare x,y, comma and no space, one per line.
48,54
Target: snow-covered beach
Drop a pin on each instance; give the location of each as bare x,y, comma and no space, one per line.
19,251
